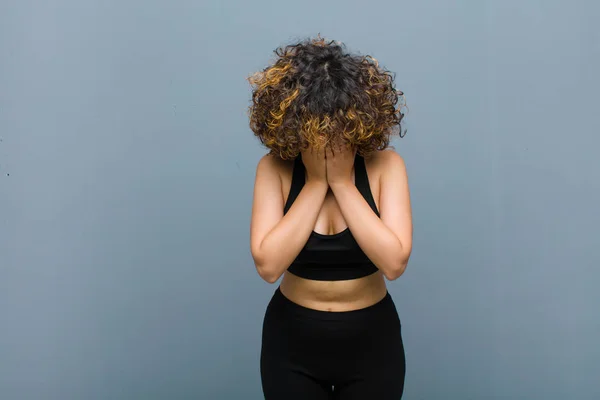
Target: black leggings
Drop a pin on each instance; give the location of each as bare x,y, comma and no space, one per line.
320,355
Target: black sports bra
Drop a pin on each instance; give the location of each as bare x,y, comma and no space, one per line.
334,257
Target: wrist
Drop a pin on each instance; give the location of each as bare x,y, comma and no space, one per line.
317,182
341,185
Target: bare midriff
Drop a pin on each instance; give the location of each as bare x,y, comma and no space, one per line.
334,295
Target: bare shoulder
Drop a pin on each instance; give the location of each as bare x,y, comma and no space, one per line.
271,163
273,166
390,157
384,162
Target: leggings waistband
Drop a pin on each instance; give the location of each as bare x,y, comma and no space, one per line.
280,301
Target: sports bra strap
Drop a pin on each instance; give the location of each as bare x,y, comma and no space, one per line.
361,179
298,179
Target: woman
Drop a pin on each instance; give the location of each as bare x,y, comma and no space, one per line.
331,213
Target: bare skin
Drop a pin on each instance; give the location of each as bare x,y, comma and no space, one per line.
328,204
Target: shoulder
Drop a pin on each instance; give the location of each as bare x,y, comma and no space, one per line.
271,162
386,162
389,157
272,165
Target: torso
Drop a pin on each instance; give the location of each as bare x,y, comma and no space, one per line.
338,296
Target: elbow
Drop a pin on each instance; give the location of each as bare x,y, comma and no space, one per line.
268,273
268,277
396,268
395,272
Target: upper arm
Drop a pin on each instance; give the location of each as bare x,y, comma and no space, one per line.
394,198
267,203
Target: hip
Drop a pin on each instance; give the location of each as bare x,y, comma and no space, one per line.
288,326
335,348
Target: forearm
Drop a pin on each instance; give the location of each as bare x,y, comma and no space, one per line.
284,242
378,242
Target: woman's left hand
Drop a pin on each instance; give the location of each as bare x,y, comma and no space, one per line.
339,165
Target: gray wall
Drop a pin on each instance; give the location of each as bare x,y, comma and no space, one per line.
126,179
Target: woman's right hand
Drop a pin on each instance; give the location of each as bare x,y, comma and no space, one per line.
314,162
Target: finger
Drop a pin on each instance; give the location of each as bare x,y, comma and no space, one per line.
330,153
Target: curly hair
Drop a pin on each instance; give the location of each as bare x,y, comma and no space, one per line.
316,94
